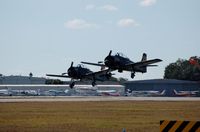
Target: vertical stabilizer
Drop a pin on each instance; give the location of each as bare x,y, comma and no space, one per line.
144,57
163,92
175,92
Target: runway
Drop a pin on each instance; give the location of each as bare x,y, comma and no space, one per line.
91,98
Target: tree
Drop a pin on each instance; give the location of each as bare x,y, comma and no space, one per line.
30,74
53,81
182,70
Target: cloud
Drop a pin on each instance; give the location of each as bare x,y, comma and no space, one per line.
105,7
79,24
146,3
127,22
90,7
108,8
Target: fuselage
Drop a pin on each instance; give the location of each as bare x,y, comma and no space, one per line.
78,72
117,62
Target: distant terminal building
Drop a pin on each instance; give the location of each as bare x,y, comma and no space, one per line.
162,84
21,80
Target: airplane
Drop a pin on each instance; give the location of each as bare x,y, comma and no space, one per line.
128,92
11,92
85,91
121,63
54,92
108,93
185,93
5,92
149,93
86,88
30,92
81,73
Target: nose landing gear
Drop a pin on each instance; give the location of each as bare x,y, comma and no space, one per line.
71,85
94,83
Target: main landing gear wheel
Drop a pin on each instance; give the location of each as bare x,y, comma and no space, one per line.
71,85
132,75
93,84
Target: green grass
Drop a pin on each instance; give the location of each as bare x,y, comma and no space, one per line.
94,116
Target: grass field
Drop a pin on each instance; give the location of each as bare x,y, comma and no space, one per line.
94,116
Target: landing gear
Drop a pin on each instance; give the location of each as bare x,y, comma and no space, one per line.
71,85
94,83
132,75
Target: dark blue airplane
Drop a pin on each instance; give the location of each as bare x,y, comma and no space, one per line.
121,63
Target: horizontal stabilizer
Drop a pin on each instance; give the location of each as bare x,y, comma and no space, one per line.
151,65
52,75
147,62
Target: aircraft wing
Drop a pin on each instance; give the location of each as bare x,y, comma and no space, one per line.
142,63
99,75
52,75
95,64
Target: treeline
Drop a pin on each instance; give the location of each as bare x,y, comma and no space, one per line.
183,70
53,81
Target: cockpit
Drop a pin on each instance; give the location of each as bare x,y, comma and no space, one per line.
121,54
81,65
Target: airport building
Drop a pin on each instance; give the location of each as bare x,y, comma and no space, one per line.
162,84
168,85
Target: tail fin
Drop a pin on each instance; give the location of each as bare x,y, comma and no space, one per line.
175,92
144,58
163,92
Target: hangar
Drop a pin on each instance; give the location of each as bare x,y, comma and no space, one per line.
162,84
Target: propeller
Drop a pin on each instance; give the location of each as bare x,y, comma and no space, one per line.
64,73
72,64
100,62
110,53
109,59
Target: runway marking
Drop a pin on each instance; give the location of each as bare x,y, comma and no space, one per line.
179,126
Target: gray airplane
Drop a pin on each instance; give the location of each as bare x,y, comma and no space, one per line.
81,73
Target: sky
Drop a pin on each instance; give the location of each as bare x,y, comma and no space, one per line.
45,36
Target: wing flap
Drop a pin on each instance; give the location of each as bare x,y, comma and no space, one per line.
94,64
97,75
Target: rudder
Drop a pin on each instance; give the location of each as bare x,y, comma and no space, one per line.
144,58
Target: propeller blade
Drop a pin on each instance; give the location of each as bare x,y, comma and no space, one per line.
72,64
64,73
99,62
110,53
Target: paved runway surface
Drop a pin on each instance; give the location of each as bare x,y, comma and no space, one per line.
92,98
